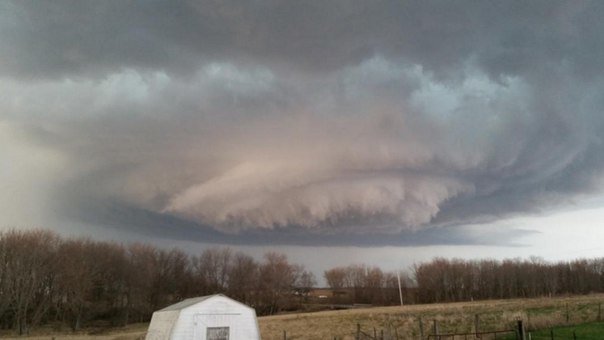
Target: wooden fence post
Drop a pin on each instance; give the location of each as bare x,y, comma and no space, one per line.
435,330
476,324
567,313
421,329
358,331
284,335
521,332
551,333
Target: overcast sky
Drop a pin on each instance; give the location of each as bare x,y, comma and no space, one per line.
335,131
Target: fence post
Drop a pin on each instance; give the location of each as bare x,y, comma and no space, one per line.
421,329
521,332
374,333
476,324
551,333
382,334
435,330
358,331
574,335
567,313
284,335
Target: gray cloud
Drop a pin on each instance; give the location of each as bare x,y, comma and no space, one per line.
70,37
305,121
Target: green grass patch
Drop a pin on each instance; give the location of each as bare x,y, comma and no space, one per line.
588,331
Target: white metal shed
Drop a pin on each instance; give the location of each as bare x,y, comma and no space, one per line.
212,317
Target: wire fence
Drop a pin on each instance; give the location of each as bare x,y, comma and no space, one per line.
535,323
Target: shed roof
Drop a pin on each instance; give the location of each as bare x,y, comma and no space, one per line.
187,302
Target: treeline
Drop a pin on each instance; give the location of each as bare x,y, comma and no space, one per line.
443,280
449,280
48,279
362,284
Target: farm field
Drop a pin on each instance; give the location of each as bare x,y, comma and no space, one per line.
451,317
130,332
540,313
588,331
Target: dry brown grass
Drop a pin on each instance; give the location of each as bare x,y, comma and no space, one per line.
452,317
131,332
404,321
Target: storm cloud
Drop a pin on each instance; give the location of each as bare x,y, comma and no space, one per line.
404,121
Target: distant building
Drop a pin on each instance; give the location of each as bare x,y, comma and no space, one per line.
213,317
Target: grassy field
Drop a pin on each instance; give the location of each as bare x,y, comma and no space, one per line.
131,332
451,318
588,331
542,313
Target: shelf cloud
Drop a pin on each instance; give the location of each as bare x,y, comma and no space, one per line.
314,118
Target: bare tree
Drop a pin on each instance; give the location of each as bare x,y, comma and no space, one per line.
276,282
77,271
304,281
243,277
335,277
212,268
30,263
142,261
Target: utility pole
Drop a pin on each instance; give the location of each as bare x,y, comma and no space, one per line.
400,292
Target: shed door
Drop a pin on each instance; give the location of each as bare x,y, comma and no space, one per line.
215,326
217,333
